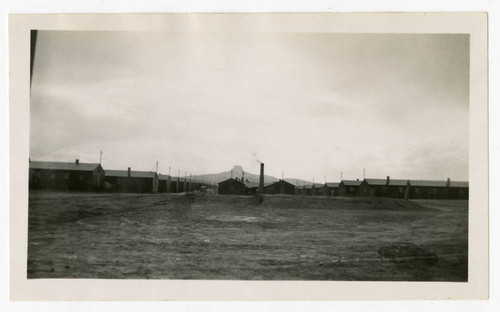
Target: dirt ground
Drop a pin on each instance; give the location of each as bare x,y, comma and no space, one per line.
275,237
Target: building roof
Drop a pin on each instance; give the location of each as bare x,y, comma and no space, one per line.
280,182
52,165
133,174
309,186
181,179
351,182
459,184
332,184
398,182
429,183
231,180
392,182
163,177
376,181
251,184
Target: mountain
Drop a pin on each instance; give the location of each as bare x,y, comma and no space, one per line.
237,172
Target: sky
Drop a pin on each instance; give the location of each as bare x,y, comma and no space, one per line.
313,105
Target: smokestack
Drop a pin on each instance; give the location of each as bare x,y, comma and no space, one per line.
128,172
77,161
388,180
261,180
448,182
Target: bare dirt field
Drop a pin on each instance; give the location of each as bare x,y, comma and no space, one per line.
275,237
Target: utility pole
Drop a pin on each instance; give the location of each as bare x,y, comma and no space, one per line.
169,181
178,186
185,178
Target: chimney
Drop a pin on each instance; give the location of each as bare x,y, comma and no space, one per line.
77,161
388,180
448,182
261,180
128,172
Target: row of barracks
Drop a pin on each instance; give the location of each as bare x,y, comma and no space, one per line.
393,188
240,187
76,176
244,187
407,189
397,188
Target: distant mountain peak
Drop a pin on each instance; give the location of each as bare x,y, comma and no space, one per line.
237,168
237,172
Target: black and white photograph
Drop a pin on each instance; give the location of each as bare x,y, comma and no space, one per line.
257,156
247,155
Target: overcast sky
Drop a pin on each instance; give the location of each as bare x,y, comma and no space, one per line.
311,105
